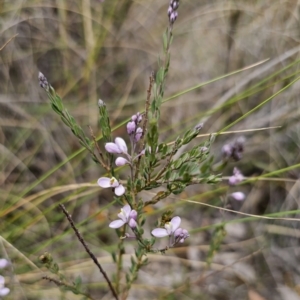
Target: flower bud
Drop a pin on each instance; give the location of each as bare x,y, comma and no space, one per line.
138,134
131,126
175,5
3,263
227,151
101,103
133,214
239,196
112,148
236,178
132,223
43,81
139,118
173,17
199,126
121,161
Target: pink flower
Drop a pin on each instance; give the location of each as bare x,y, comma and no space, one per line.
106,182
127,215
170,228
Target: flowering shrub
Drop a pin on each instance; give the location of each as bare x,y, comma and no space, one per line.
152,164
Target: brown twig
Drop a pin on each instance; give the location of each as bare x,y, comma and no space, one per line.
92,256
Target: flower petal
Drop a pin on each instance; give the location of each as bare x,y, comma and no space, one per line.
159,232
239,196
132,223
121,161
175,223
3,263
114,182
127,210
124,214
104,182
121,144
112,148
138,134
116,224
4,291
133,214
178,232
131,126
120,190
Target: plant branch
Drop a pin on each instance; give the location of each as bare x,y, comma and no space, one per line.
60,283
93,257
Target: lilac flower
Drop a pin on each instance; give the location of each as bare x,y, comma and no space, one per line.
3,290
3,263
106,182
169,229
239,196
127,215
172,229
119,146
135,132
234,150
236,178
180,235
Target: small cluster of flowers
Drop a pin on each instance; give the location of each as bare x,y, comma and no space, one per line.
3,290
127,216
234,150
43,81
172,229
236,178
172,11
120,147
135,132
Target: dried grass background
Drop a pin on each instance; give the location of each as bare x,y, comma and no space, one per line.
92,49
